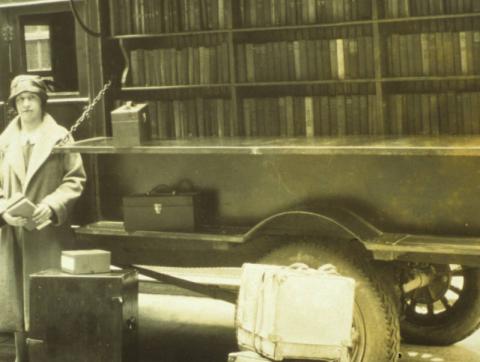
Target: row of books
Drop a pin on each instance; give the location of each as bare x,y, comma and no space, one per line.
264,117
433,114
154,16
309,116
416,54
287,116
305,60
440,53
259,13
165,16
405,8
188,65
449,113
193,117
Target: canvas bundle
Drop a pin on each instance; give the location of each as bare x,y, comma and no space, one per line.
298,313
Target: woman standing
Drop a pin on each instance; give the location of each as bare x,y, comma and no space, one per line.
53,182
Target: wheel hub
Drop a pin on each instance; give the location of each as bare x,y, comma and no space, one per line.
438,286
438,296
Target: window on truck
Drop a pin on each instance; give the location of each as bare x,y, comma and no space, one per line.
48,47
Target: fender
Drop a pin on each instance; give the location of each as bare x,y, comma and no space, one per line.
326,221
340,223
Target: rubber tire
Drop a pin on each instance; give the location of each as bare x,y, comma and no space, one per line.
372,297
462,322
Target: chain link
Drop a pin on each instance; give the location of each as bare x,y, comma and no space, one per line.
86,113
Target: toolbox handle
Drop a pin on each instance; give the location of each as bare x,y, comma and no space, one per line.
161,189
182,186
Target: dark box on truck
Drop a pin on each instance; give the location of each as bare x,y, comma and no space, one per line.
80,318
168,212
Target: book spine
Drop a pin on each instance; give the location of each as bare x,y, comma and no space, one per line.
324,116
463,52
332,106
309,120
340,59
364,130
289,115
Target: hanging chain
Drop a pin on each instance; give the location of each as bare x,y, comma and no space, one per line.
86,113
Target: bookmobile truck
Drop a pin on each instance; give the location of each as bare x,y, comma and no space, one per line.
341,132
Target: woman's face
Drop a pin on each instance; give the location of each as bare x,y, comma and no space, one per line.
29,106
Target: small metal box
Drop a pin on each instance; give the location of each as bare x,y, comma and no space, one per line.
85,261
130,125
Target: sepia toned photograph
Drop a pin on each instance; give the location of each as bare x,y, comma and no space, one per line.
239,180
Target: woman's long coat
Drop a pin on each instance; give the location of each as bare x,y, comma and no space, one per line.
54,179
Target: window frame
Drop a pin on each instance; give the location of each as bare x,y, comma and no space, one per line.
14,15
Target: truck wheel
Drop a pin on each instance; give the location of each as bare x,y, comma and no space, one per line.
445,311
375,330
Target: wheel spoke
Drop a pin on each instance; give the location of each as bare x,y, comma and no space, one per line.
430,309
445,303
455,289
457,273
431,294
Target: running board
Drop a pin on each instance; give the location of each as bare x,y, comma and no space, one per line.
393,246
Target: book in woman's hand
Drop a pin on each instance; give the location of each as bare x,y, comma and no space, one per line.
19,205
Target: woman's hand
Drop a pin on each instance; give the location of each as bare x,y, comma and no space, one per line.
14,220
42,213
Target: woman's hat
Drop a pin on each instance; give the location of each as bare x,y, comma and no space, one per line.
27,83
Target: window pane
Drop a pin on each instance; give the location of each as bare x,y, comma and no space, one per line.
37,47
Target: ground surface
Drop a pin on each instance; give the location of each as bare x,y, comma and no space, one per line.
465,351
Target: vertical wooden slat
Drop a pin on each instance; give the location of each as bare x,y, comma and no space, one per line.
96,78
377,56
232,70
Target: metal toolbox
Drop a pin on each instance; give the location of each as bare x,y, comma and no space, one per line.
130,125
79,318
167,212
290,313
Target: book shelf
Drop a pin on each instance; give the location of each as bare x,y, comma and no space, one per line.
312,68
